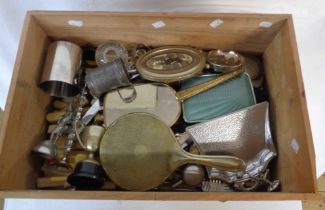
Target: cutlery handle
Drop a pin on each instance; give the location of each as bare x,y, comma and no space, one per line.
192,91
222,162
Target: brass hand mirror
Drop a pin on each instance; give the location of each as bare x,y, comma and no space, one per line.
139,151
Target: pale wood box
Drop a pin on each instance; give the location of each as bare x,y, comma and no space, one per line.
24,119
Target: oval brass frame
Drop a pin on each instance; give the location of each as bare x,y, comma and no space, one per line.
197,65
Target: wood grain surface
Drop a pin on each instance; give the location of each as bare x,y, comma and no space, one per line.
24,120
318,204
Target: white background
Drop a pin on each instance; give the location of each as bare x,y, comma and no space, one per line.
30,204
309,20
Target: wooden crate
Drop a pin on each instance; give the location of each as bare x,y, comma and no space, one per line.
24,120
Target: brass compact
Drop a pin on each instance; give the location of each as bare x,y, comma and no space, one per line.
172,63
139,151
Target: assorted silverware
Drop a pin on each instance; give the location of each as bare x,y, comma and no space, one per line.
119,120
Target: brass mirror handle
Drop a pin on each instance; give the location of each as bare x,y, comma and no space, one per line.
192,91
222,162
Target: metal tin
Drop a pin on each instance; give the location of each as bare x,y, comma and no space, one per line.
62,62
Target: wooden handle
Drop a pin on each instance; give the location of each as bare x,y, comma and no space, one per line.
222,162
60,105
192,91
54,116
45,182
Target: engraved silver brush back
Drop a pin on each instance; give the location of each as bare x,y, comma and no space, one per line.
244,134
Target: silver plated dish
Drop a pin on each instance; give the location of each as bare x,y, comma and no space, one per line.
244,134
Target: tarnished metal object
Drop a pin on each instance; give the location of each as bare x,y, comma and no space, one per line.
216,186
244,134
225,61
62,62
110,51
139,151
256,181
47,148
91,136
193,175
109,76
77,127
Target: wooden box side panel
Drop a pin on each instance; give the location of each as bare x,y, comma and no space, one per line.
24,121
183,196
241,32
24,118
296,158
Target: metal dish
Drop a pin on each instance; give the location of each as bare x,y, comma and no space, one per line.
225,61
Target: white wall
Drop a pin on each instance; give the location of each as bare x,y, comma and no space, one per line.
309,19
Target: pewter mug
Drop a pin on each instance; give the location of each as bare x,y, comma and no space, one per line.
109,76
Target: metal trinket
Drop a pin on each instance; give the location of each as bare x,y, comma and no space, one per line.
110,76
225,61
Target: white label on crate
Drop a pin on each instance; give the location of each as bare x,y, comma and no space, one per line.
158,24
216,23
265,24
295,146
76,23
